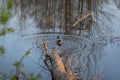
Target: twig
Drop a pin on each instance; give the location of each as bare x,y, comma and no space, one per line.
45,46
89,14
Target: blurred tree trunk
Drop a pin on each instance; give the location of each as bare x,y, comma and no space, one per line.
67,14
4,4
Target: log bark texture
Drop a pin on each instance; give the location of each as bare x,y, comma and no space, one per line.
58,69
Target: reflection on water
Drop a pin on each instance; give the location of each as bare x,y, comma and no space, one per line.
16,45
110,62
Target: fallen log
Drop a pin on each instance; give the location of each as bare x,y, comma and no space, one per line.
56,67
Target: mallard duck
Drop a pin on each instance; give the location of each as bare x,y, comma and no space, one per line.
59,42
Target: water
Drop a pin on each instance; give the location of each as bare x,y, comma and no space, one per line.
110,62
16,44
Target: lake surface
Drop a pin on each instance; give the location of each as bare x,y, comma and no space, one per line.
17,43
110,62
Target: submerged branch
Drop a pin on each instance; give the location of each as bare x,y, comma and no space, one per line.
89,14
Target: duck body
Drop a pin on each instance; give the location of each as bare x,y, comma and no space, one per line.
59,42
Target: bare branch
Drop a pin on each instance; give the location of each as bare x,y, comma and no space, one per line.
89,14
